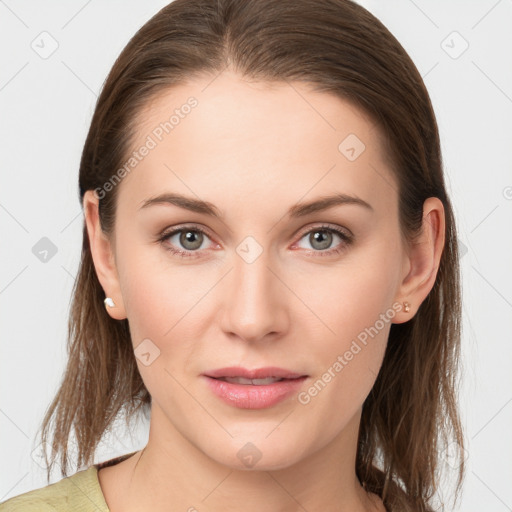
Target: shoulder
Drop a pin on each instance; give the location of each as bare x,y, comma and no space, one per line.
78,492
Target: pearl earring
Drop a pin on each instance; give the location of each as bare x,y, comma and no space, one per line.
109,303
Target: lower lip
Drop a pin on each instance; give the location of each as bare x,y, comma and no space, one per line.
247,396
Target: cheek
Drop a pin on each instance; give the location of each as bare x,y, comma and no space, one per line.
157,292
348,362
157,307
347,299
353,313
164,304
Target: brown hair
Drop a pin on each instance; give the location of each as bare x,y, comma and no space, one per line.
411,414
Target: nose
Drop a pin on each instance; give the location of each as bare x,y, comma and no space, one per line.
255,308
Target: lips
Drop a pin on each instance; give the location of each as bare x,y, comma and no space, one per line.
253,389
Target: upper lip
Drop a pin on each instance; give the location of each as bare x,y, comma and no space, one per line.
257,373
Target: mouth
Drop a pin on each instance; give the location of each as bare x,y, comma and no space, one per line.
253,382
253,389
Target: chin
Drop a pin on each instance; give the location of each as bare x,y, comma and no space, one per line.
257,453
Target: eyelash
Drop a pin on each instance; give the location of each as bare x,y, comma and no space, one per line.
347,240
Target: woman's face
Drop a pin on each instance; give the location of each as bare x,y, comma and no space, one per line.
270,283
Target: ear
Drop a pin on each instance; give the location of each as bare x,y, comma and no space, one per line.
103,256
423,260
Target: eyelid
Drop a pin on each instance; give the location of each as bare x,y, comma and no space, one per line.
325,225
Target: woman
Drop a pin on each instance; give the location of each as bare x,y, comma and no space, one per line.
269,268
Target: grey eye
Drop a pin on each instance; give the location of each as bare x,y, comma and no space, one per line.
190,239
320,239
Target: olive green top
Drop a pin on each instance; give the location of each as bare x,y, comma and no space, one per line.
80,492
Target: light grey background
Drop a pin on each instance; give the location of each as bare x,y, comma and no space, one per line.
46,106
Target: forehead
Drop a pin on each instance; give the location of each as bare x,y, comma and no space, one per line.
259,141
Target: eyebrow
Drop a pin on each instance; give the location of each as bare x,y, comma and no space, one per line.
296,211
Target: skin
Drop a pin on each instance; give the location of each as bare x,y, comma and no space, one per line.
254,150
